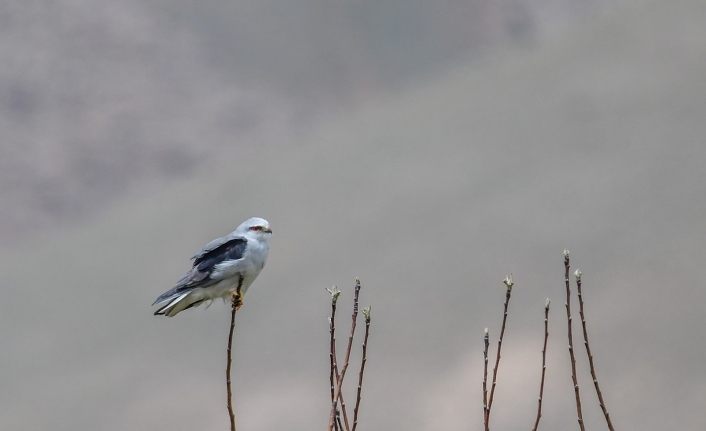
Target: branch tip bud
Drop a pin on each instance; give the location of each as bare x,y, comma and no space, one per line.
334,292
366,313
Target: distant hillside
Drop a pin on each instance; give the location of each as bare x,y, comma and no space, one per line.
100,97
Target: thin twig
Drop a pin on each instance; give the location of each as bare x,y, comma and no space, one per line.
588,352
544,364
341,400
366,313
508,291
343,411
339,381
335,293
571,340
486,344
236,302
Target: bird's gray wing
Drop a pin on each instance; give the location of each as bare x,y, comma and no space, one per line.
201,274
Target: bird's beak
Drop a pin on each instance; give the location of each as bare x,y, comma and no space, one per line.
267,229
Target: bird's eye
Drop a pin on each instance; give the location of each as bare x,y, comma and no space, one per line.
255,228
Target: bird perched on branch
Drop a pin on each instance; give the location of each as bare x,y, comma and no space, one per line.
225,267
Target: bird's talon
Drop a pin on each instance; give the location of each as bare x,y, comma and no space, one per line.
237,301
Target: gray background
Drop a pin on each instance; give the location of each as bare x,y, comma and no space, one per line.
428,149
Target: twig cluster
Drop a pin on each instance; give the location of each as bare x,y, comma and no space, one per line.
336,375
488,400
338,415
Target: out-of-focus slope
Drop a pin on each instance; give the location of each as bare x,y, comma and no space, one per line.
595,143
99,97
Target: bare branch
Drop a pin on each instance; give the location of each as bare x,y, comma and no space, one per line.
364,359
236,302
332,347
332,339
544,364
486,343
588,352
508,292
571,340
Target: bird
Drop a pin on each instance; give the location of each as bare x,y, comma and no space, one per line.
225,267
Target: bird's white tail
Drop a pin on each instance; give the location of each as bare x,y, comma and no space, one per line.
177,303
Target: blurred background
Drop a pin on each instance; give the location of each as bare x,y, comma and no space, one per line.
428,148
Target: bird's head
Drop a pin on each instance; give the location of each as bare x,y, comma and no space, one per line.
255,227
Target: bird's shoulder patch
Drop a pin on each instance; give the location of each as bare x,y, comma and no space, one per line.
232,249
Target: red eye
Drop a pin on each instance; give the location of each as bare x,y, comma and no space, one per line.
255,228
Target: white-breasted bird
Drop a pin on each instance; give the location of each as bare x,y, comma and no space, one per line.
225,266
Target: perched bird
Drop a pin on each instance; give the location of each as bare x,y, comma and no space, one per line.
225,266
